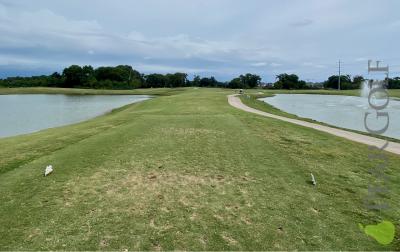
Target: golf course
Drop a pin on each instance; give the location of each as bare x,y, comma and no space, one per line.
184,170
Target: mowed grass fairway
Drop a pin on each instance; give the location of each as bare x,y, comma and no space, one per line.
188,172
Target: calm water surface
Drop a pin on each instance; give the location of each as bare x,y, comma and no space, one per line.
21,114
342,111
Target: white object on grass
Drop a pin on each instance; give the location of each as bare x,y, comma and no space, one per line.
313,180
48,170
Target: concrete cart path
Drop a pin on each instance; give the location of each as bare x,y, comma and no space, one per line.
372,141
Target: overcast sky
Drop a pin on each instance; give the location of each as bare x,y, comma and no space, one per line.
207,37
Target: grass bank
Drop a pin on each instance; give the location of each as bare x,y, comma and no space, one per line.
188,172
252,101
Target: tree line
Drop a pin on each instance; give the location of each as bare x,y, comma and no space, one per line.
108,77
346,82
125,77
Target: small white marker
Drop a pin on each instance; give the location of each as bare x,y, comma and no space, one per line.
48,170
313,179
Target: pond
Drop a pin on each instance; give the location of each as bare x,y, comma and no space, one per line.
341,111
21,114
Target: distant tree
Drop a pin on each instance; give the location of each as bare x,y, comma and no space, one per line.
209,82
196,81
356,83
394,83
176,80
154,80
236,83
286,81
88,79
55,80
332,82
55,75
302,85
128,74
213,82
358,79
289,81
245,81
250,80
122,76
73,76
76,76
109,73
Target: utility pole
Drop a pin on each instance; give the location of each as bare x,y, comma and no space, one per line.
339,77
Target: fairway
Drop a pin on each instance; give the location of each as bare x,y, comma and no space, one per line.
186,171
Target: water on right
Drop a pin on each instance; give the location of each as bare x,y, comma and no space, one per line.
343,111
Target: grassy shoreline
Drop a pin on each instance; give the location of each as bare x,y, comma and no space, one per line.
189,172
252,101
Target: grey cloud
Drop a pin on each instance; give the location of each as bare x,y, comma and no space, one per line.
196,36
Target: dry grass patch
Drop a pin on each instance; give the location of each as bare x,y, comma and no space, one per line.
229,239
190,131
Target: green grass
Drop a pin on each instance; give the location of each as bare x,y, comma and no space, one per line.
188,172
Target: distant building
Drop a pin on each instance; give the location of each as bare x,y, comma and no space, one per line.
266,85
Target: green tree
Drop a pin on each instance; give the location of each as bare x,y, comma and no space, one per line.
209,82
196,81
236,83
88,80
55,80
245,81
289,81
358,79
332,82
394,83
176,80
357,82
109,73
250,80
154,81
73,76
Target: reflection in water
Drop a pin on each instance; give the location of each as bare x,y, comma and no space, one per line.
22,114
342,111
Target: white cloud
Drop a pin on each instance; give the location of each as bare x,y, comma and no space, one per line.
4,61
361,59
259,64
169,69
273,64
311,64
